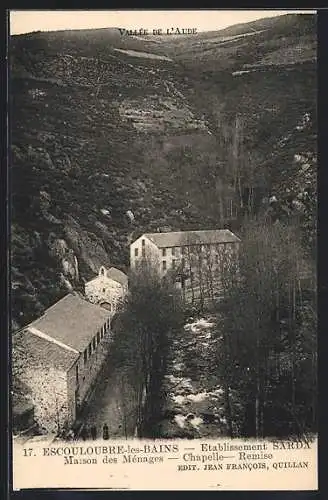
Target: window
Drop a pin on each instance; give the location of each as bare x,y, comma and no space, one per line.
136,252
173,263
164,265
102,271
164,252
143,242
85,355
183,250
77,373
94,343
103,290
173,251
90,349
183,263
217,259
98,337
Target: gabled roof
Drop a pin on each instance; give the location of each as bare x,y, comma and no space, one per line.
187,238
72,321
117,275
112,273
37,349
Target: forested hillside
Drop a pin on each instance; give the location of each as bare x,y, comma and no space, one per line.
199,131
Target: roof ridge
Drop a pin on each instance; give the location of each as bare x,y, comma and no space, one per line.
191,231
54,353
49,338
182,238
72,321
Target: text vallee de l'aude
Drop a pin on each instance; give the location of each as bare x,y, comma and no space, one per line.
158,31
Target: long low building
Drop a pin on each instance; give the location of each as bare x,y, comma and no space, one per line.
58,357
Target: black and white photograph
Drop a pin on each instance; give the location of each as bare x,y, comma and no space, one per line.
163,183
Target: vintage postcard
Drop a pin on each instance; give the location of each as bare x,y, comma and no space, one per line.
163,173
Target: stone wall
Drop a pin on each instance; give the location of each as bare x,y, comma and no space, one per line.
103,289
48,390
53,390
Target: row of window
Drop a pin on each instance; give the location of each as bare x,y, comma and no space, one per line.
183,263
176,250
95,341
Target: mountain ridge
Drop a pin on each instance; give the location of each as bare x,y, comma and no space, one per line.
97,132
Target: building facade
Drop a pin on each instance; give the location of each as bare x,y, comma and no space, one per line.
108,288
196,258
58,357
183,250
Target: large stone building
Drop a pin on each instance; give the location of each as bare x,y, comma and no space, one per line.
196,257
183,249
108,288
57,357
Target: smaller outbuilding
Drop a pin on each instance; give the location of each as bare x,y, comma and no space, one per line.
108,289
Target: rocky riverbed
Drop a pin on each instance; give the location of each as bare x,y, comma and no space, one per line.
194,403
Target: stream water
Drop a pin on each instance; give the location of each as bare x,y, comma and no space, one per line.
194,402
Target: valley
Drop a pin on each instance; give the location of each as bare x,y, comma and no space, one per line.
94,127
115,136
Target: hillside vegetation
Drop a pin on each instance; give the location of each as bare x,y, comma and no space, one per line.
223,119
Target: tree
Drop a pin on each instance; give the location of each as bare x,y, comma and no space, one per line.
142,340
267,342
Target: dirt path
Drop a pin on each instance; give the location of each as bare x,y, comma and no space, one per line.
108,405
